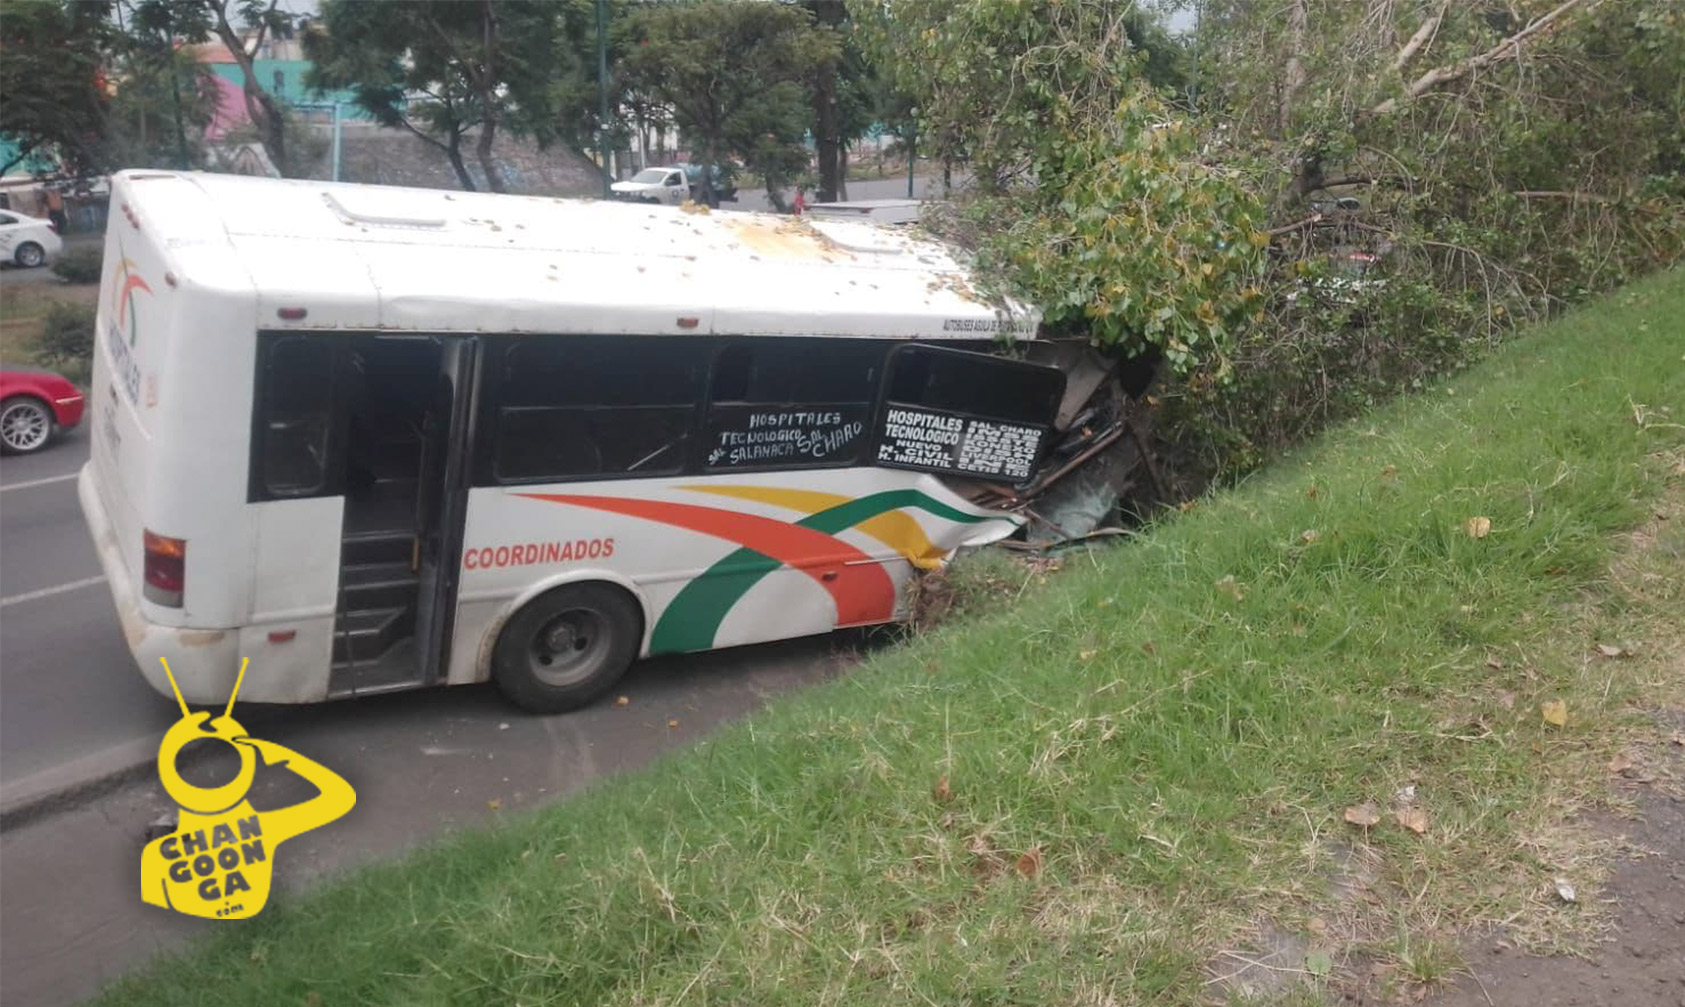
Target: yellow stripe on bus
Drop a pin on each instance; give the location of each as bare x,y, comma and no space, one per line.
893,528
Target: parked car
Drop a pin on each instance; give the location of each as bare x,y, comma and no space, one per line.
654,185
27,241
35,406
725,181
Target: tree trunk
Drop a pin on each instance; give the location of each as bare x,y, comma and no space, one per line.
710,154
264,113
1293,77
825,145
490,107
827,142
454,152
842,171
273,130
482,153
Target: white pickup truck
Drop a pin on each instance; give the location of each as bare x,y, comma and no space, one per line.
654,185
673,185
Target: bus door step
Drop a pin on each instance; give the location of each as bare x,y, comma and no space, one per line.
397,669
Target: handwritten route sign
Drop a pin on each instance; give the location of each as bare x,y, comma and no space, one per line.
749,436
952,444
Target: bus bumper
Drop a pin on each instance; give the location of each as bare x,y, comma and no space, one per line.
205,662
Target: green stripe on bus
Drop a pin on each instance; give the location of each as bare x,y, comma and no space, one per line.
693,618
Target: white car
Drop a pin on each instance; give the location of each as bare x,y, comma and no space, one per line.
27,241
654,185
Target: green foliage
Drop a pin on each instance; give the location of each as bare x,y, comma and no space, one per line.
1092,203
49,77
736,74
66,342
993,84
442,67
79,265
241,27
1488,197
1141,246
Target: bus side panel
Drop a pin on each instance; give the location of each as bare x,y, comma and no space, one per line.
128,346
521,541
200,456
715,560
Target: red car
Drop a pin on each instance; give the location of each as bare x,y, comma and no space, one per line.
35,406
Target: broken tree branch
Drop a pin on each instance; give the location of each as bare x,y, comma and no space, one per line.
1509,48
1293,77
1575,196
1423,36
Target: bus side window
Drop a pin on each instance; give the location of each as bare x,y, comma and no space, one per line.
967,413
297,417
581,407
791,403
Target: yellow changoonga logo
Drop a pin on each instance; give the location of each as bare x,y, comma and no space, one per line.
220,860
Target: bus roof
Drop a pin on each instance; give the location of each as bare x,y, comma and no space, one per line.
378,257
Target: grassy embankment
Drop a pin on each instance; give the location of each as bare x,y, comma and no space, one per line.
1101,793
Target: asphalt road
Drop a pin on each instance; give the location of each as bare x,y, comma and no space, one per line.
68,687
924,187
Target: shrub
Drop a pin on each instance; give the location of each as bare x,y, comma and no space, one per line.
80,265
66,343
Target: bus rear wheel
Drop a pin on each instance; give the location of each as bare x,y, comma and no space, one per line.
567,647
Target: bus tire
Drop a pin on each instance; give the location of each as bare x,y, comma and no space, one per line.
567,647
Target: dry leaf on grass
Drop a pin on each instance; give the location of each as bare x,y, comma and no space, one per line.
1478,527
1565,890
1495,664
1610,650
943,793
1506,700
1029,865
1227,585
1086,655
1620,763
1414,819
1555,712
1365,814
1309,535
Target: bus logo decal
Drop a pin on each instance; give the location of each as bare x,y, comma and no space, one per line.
219,862
862,590
123,289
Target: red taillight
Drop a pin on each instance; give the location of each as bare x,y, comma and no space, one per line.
166,569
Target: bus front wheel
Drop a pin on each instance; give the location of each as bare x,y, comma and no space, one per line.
567,647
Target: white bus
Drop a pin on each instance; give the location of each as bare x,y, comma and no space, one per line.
376,439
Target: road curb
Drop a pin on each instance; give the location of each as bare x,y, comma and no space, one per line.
75,783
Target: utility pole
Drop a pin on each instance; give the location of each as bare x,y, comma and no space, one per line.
602,96
912,156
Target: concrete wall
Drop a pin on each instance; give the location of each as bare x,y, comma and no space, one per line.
379,156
